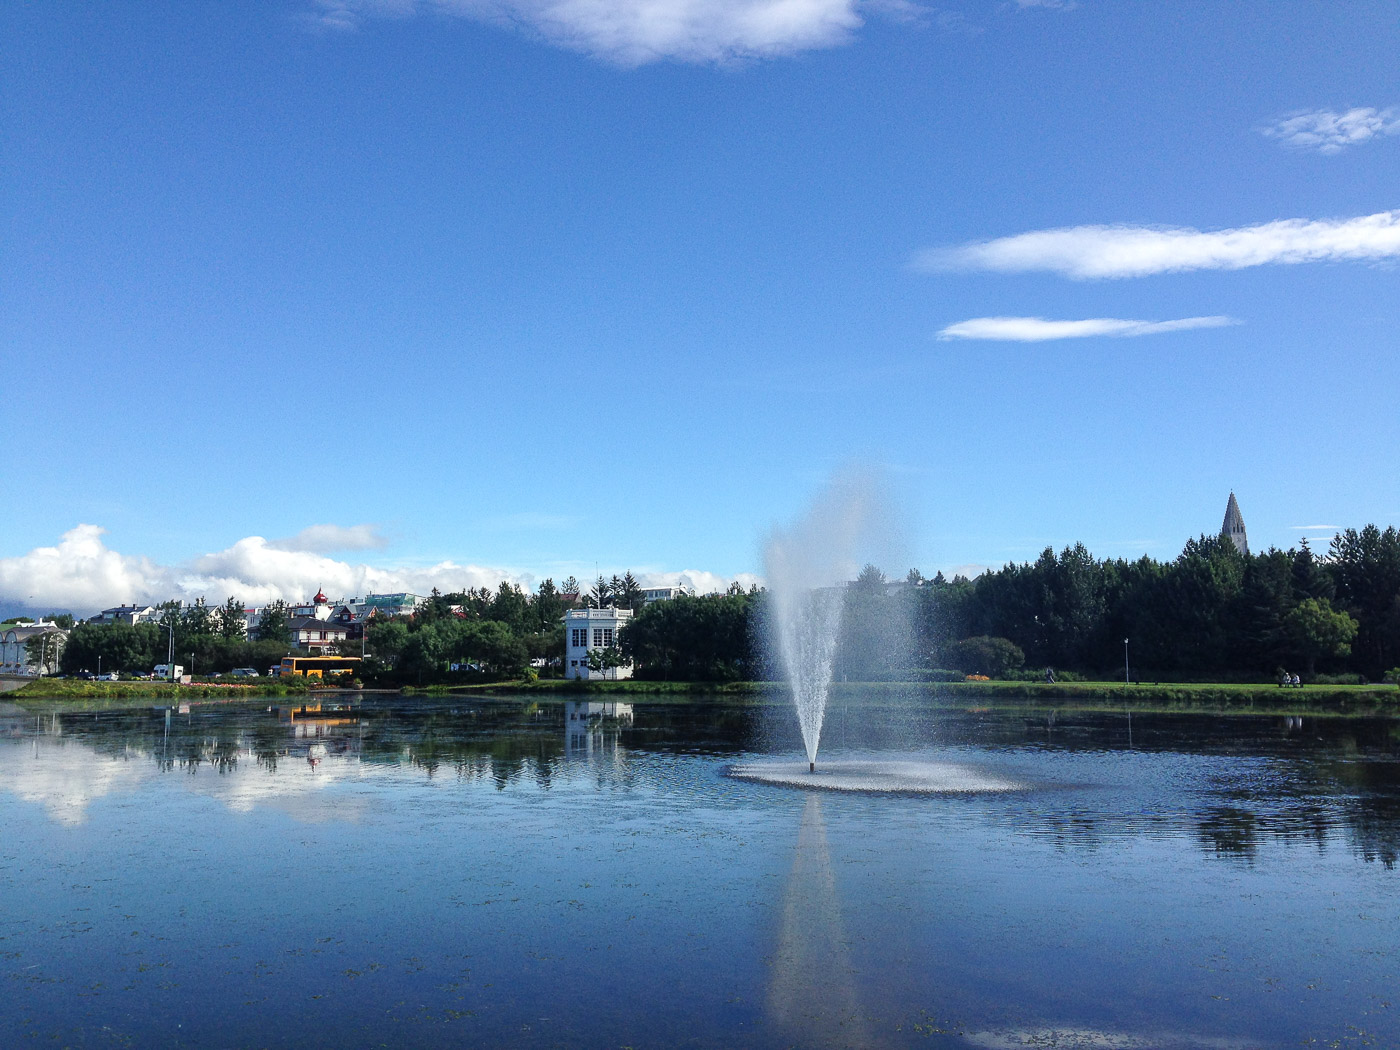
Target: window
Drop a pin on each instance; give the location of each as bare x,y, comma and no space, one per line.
607,636
597,637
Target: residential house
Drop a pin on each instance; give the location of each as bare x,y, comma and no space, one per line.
586,629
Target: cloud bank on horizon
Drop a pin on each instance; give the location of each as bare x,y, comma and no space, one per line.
82,574
1328,131
1039,329
636,32
1090,252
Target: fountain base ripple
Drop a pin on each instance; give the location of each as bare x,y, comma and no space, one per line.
902,776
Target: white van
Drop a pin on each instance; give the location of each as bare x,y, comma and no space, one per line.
164,671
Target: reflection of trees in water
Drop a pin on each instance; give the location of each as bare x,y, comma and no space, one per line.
1229,830
1325,780
476,744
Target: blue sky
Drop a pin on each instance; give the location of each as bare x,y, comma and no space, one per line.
531,286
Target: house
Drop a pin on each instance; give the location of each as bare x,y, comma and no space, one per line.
14,646
314,634
586,629
662,594
401,604
127,614
319,608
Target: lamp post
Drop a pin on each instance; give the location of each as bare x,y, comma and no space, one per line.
170,652
1125,662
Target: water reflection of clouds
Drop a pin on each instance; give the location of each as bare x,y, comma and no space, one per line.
66,778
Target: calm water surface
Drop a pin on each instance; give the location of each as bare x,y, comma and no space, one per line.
431,874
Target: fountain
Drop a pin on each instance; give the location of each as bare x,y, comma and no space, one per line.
808,566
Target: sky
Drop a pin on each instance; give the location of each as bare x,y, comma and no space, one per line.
385,294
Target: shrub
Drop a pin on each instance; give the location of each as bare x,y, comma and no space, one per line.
994,657
1339,679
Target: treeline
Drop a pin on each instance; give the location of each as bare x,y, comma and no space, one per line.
205,639
487,634
1211,613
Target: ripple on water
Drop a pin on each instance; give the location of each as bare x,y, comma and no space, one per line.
903,776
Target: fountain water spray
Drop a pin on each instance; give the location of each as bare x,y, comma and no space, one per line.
807,566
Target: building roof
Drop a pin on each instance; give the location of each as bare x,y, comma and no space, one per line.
300,623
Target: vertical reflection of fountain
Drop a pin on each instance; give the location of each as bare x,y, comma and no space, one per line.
812,996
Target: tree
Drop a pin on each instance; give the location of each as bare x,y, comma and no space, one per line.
199,619
386,639
569,589
44,650
233,622
601,594
993,657
697,638
63,620
604,660
548,606
628,592
1319,631
273,621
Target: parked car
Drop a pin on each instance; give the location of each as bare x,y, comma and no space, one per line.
110,676
244,672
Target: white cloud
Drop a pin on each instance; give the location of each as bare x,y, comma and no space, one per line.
634,32
698,581
83,575
1315,528
323,539
1328,131
1038,329
80,572
1086,252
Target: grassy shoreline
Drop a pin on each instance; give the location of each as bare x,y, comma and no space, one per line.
1203,696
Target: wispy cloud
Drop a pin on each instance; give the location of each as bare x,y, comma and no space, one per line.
1039,330
635,32
1086,252
1315,528
1327,131
1053,5
325,539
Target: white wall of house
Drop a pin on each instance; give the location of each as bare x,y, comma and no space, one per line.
586,629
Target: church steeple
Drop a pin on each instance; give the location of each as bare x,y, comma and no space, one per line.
1233,529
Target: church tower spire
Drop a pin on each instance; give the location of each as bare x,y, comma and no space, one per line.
1233,529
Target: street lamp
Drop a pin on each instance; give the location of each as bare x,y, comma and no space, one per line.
1125,662
170,652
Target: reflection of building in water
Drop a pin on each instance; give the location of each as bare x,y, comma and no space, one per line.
335,724
813,992
593,725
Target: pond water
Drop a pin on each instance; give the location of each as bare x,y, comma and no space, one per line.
423,873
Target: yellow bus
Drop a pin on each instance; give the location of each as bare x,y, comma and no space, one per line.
318,666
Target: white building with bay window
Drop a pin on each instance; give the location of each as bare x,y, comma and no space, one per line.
586,629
